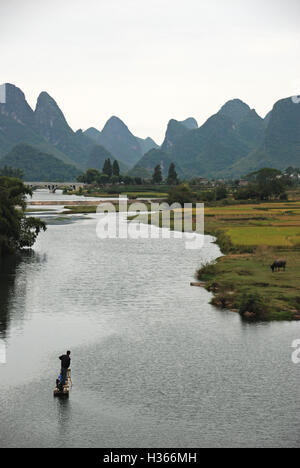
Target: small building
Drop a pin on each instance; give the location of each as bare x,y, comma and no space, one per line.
203,181
243,183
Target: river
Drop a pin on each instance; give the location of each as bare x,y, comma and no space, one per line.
153,364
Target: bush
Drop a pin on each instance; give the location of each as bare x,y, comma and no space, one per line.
252,306
224,242
221,193
206,271
206,196
181,194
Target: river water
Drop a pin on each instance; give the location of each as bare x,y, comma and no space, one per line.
153,364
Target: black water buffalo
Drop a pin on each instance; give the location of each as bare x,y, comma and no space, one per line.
278,264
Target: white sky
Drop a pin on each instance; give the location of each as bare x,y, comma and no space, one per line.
148,61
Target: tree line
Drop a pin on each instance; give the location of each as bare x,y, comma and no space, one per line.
111,174
264,185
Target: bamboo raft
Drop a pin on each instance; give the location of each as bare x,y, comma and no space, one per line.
65,392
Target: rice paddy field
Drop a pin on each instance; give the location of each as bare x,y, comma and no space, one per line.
252,237
271,224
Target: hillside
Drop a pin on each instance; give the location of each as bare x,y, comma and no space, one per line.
116,129
147,144
280,147
209,149
50,122
224,139
38,166
118,140
175,131
17,125
97,157
145,167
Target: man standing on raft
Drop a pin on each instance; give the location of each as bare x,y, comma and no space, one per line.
65,364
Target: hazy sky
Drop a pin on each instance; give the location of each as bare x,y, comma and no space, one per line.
148,61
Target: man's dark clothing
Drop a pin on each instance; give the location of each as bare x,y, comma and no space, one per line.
64,373
65,361
65,364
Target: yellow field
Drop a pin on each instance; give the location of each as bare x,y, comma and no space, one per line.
272,224
265,235
266,231
252,237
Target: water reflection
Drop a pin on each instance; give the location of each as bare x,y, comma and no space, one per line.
63,406
10,268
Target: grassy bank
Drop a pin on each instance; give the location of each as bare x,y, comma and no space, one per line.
132,192
252,236
86,209
80,209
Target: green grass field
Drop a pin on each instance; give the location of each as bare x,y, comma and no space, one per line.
252,236
268,231
265,235
235,276
85,209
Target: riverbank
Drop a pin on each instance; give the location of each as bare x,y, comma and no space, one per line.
82,206
252,236
132,192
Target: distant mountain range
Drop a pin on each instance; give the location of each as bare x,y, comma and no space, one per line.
46,130
231,143
236,141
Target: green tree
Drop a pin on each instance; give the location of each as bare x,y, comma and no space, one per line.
116,168
8,171
181,194
157,175
264,175
128,180
221,192
206,195
16,230
265,184
102,179
107,168
115,179
172,176
89,177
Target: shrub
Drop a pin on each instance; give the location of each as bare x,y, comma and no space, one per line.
224,242
181,194
252,304
206,271
221,193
